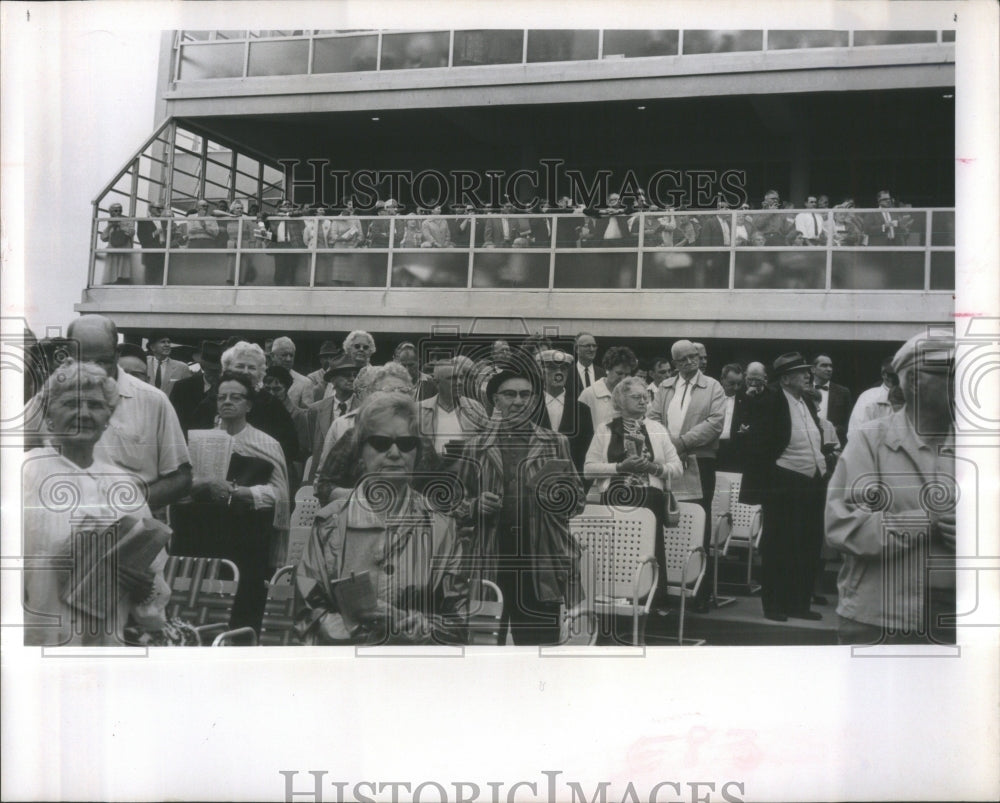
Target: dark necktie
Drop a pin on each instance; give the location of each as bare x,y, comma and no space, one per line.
341,408
159,374
684,393
586,376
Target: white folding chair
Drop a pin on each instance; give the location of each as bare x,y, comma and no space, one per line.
305,508
744,524
485,612
686,560
617,566
721,519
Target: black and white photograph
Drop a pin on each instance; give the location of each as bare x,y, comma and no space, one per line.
506,401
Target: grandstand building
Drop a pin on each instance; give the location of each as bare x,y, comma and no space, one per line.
687,116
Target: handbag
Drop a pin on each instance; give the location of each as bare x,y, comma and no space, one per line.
671,512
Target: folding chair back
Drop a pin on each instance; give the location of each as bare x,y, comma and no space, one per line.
685,557
485,609
305,509
618,567
297,537
202,591
276,628
745,527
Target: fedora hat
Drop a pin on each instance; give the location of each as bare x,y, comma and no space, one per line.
210,355
342,365
330,348
786,363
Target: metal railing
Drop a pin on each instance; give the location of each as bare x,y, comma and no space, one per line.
207,55
891,249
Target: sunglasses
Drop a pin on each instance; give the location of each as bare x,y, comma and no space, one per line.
383,443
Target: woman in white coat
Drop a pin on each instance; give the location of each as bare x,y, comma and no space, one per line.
632,460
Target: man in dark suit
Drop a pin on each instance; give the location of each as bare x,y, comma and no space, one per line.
785,472
587,369
887,226
506,230
187,394
286,233
835,403
152,234
729,458
560,409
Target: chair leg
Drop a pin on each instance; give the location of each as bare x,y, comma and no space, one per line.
680,629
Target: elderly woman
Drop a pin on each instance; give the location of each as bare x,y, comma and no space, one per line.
381,566
632,459
243,517
360,347
69,493
201,230
118,234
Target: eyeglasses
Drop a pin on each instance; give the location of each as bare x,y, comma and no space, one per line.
636,397
383,443
688,358
510,395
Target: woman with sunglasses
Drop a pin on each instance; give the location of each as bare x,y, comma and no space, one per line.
382,566
245,516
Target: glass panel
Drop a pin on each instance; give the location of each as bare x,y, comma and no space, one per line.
426,268
230,34
942,270
200,268
636,44
273,34
569,229
947,36
943,227
195,36
117,234
793,40
246,186
290,57
351,269
345,54
562,45
413,51
674,230
488,47
722,41
780,270
273,176
864,38
691,270
905,227
273,267
771,228
878,270
510,269
200,62
614,271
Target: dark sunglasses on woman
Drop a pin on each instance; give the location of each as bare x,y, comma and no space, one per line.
383,443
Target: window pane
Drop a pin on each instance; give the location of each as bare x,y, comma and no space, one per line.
345,54
942,270
636,44
943,228
562,45
792,40
691,270
863,38
780,270
511,269
200,62
205,268
274,267
412,51
878,270
947,36
426,269
351,269
614,271
289,57
488,47
722,41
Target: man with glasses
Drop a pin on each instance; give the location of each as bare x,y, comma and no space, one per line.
513,473
283,354
692,407
586,354
886,227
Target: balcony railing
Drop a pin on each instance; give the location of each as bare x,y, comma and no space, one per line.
203,55
891,249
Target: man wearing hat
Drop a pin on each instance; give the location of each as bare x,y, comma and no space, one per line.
784,472
328,352
161,371
340,376
561,410
891,509
522,540
132,360
187,395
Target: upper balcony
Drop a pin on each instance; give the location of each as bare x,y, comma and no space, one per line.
538,65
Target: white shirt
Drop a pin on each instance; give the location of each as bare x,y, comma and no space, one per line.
728,422
679,404
809,224
446,427
804,453
598,398
823,402
867,401
555,405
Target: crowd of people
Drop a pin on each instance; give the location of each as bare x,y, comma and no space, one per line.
225,224
438,468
